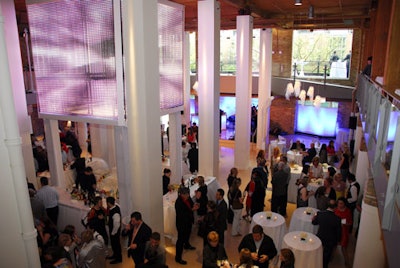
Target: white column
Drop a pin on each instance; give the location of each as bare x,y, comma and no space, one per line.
369,250
264,88
244,37
53,146
82,135
208,90
17,83
175,147
20,233
140,41
186,80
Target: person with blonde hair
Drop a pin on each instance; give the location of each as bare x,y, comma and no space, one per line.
214,254
92,253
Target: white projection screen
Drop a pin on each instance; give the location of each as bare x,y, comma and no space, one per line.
73,45
171,36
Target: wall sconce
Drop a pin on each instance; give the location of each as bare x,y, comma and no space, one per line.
298,2
311,12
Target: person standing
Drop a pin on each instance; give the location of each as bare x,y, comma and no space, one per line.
193,156
222,215
279,190
184,208
261,246
49,197
329,231
368,67
139,234
344,213
236,204
97,218
166,180
114,227
352,194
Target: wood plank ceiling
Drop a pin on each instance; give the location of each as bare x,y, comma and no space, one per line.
328,14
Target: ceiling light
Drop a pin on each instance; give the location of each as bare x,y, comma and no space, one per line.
311,12
298,2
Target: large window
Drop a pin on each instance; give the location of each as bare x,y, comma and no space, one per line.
319,51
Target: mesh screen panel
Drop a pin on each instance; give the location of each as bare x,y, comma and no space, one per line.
170,30
74,58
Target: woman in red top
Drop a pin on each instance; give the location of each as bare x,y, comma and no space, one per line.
343,212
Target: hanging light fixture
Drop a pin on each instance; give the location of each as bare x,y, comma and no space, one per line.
311,12
298,2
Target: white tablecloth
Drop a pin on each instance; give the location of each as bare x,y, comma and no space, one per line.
169,206
301,221
70,211
274,227
99,166
294,157
307,253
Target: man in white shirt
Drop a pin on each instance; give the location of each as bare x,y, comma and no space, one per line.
49,197
114,227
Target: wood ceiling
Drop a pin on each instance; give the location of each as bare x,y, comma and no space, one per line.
328,14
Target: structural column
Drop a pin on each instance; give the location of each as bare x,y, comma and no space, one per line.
208,90
175,147
20,233
186,80
244,28
53,146
140,42
264,88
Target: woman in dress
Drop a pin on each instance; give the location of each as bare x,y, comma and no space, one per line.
329,190
330,149
302,193
344,163
339,185
235,199
275,158
323,154
231,178
210,220
343,212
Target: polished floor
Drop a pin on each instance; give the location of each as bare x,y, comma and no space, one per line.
194,257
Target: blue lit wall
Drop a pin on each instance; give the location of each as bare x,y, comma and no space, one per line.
316,121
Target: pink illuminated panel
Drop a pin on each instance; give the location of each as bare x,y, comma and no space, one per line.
170,30
74,58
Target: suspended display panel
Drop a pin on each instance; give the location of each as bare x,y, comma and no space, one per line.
170,30
74,53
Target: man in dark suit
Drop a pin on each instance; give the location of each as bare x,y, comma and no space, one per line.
222,209
310,154
298,146
184,208
279,190
329,231
138,234
262,246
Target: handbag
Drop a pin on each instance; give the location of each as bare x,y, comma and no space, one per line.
236,204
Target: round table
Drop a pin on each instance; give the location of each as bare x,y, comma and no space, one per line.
301,221
307,252
294,157
274,227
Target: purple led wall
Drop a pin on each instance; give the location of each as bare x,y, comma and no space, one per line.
74,58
